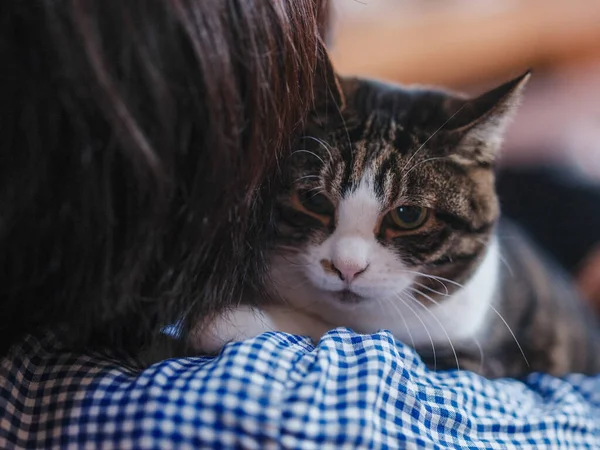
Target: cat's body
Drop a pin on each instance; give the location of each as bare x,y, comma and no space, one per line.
389,220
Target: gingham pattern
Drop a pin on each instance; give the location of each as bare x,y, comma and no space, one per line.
278,391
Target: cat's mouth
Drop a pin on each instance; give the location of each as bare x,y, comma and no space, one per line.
348,297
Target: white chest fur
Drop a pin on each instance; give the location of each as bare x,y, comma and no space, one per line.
461,316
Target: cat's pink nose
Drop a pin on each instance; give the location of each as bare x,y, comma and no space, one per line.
349,270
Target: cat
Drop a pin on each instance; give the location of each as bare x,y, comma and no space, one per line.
389,219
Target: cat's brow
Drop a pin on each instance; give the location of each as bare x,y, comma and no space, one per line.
432,136
381,157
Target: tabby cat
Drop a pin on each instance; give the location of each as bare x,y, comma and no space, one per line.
389,219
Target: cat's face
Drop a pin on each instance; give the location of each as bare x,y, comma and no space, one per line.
389,201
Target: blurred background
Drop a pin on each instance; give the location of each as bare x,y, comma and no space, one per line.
471,45
550,177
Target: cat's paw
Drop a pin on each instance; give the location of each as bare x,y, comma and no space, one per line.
235,325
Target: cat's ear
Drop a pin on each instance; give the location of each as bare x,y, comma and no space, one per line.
480,122
329,100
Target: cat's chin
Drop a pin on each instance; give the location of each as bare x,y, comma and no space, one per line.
347,297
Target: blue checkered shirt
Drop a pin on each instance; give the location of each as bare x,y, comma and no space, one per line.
279,391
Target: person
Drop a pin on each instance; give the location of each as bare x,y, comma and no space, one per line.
139,141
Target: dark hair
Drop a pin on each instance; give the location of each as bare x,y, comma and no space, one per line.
138,142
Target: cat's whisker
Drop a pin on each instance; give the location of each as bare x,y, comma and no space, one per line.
305,177
322,143
317,190
404,175
310,153
405,303
481,358
446,294
296,264
410,336
434,277
500,256
432,136
288,248
293,264
438,321
477,343
299,285
505,262
511,333
435,302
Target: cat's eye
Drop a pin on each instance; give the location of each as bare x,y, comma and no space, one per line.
316,203
408,217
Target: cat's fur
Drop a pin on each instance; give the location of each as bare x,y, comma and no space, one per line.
464,289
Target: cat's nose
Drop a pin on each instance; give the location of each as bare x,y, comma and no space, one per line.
348,270
350,257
